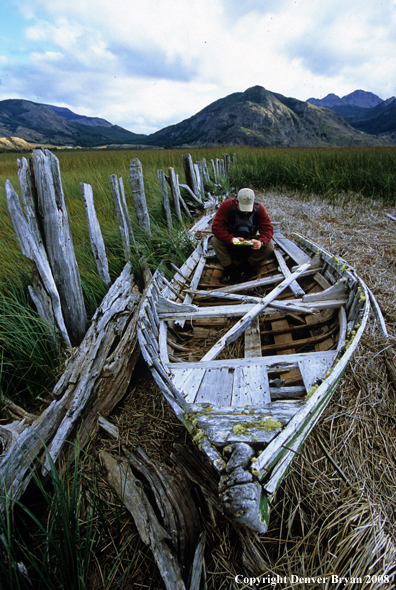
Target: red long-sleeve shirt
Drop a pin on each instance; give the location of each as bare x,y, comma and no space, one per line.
220,222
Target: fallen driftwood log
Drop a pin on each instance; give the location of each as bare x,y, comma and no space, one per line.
93,382
175,537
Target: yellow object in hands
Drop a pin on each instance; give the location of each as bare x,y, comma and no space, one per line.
237,242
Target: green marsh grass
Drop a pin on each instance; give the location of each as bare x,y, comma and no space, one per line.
368,173
30,350
56,539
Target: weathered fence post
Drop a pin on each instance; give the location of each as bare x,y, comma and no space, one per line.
165,197
205,170
95,234
218,170
115,191
139,198
55,227
201,178
44,292
28,199
226,160
190,174
214,170
175,192
182,201
198,176
125,209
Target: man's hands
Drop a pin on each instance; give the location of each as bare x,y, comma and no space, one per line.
257,244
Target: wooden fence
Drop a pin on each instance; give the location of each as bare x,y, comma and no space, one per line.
43,230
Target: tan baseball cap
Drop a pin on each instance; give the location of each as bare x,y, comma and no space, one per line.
246,199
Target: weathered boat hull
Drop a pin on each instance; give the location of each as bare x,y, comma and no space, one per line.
245,413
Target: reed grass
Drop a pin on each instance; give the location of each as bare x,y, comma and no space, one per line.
30,349
368,173
54,539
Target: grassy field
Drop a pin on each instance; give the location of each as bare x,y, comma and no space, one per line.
338,175
344,173
358,172
25,348
323,523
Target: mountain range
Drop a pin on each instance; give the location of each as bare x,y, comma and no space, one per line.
46,124
255,117
363,110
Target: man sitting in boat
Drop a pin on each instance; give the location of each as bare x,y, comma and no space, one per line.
236,221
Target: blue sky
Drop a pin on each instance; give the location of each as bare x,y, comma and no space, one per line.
146,65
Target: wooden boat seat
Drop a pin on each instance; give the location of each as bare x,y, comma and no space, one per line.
239,382
223,386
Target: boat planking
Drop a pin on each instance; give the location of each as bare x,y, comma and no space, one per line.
249,368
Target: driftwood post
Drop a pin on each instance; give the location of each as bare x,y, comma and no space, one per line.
182,201
54,218
198,176
205,170
201,178
165,197
115,191
214,170
95,234
190,174
138,195
28,199
126,212
226,160
40,296
175,192
44,292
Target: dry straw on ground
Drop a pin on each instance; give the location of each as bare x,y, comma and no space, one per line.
335,512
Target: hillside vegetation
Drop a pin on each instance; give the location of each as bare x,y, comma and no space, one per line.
41,124
256,117
260,118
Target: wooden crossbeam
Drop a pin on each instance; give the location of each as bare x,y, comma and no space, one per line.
294,286
246,320
253,339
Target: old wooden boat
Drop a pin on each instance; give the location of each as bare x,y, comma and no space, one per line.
249,368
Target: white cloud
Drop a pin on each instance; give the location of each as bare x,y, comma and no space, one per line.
147,64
